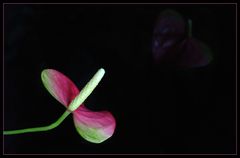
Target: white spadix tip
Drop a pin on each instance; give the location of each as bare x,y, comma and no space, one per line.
100,73
87,90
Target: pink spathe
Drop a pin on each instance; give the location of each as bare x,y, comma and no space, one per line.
95,127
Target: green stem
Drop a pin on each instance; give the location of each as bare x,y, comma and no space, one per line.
189,28
39,129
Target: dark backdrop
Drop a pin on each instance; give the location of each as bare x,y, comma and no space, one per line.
157,110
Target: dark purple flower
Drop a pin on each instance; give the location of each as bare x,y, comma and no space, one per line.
173,46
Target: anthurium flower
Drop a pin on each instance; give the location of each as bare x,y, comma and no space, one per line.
173,44
95,127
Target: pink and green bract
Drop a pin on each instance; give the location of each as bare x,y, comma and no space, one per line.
95,127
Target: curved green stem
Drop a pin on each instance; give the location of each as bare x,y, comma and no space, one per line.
189,28
39,129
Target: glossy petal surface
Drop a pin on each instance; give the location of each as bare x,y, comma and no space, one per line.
95,127
59,86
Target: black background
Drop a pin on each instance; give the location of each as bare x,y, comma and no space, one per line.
157,110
